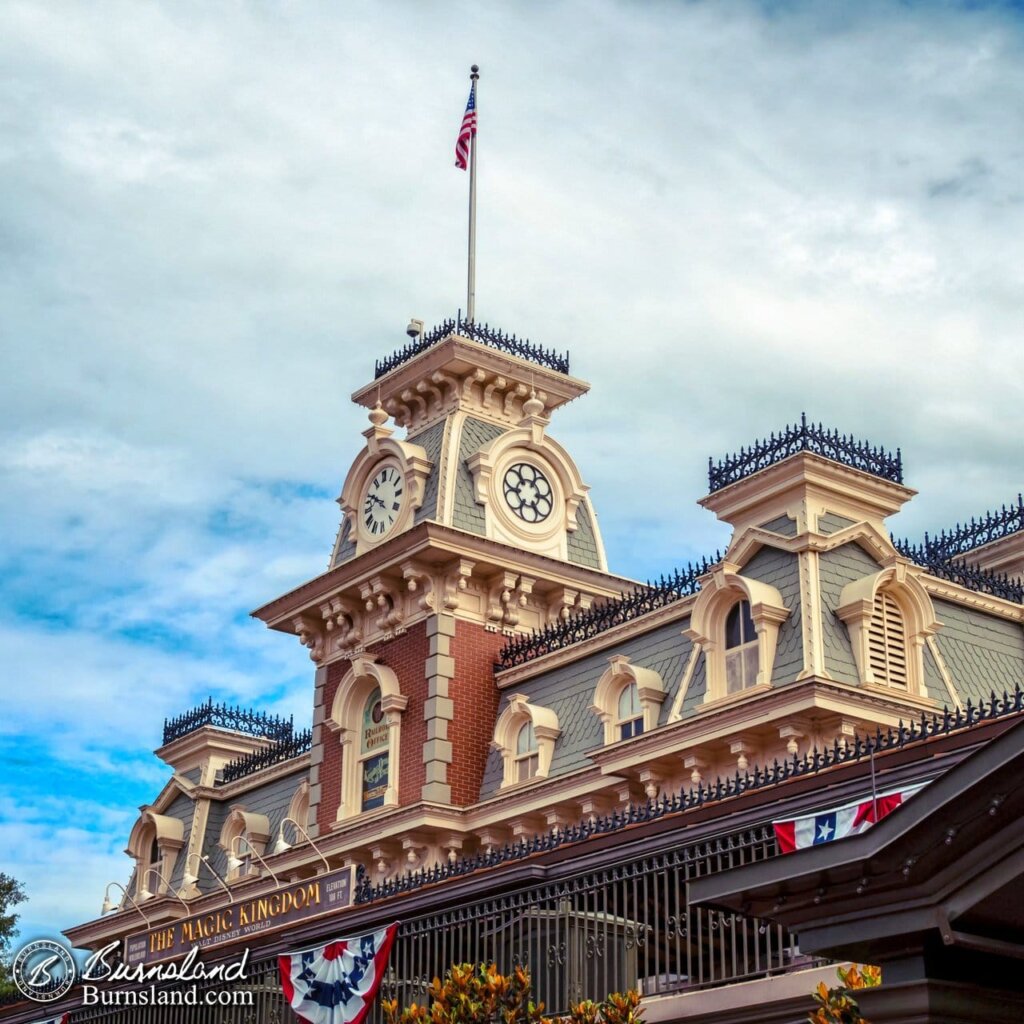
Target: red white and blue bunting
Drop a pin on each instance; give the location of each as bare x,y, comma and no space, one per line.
849,820
336,983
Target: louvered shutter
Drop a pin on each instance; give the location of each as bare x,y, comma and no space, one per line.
887,642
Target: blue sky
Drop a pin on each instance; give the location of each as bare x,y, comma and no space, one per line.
213,218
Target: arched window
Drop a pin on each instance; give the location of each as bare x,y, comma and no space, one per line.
740,649
630,721
527,752
887,642
374,759
367,714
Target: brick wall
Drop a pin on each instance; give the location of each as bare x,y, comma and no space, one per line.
475,696
405,656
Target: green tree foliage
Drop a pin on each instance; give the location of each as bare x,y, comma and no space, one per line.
11,894
836,1005
478,994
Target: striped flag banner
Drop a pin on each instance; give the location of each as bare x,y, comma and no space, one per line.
466,131
62,1019
849,820
336,983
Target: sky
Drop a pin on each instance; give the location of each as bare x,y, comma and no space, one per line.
215,217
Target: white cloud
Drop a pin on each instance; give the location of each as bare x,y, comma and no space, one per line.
213,219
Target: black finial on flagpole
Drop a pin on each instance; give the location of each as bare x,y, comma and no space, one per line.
475,69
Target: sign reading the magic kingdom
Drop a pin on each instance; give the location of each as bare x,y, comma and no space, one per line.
243,919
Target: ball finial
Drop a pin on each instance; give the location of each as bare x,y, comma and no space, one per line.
377,416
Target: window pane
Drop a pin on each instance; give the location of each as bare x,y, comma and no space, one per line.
632,728
750,665
732,627
629,702
734,672
527,739
526,767
749,633
374,731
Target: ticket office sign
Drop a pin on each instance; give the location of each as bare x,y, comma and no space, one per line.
244,919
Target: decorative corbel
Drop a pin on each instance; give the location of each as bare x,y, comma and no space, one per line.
518,393
420,584
472,382
518,598
340,618
456,580
412,399
447,381
425,388
499,596
498,384
311,635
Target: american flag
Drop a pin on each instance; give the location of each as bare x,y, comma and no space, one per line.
467,131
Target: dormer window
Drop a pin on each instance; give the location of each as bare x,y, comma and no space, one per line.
740,649
630,713
527,753
524,736
890,617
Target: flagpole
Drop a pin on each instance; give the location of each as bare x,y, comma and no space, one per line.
471,276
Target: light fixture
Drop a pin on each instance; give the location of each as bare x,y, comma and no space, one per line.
145,894
235,862
282,845
109,906
188,878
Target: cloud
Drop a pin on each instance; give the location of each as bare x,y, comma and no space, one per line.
213,220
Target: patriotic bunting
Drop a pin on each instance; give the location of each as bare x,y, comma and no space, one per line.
63,1019
336,983
849,820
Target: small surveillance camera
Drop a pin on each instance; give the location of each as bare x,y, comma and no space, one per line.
415,328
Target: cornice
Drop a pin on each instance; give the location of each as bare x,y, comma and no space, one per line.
972,598
714,721
239,787
435,538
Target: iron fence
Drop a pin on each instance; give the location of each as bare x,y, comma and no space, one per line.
226,716
582,626
624,926
805,437
492,337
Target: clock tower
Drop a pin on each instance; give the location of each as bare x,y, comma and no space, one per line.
462,521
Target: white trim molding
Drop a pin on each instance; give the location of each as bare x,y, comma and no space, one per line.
345,718
620,673
720,590
517,713
901,581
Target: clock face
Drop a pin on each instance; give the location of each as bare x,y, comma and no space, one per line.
528,492
383,501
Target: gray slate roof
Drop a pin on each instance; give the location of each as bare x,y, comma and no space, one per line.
569,692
